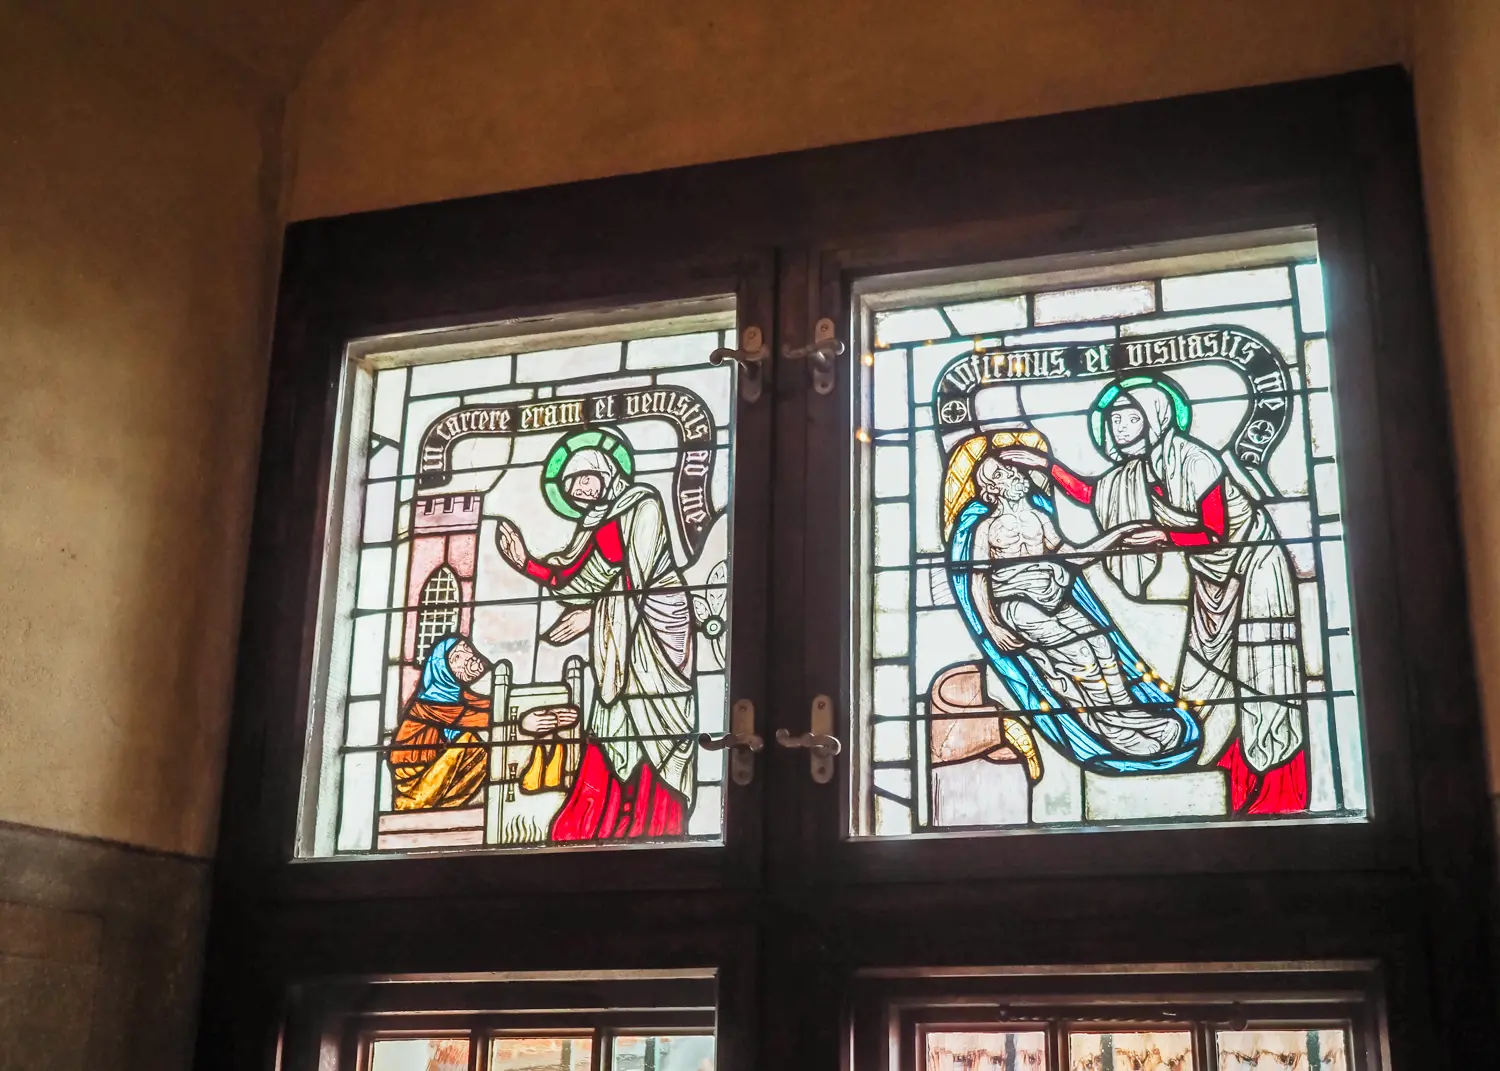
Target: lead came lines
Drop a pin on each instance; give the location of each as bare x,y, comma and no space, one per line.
1176,343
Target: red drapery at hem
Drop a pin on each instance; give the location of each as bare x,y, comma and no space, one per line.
602,807
1280,790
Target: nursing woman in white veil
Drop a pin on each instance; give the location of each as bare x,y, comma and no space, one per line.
1242,659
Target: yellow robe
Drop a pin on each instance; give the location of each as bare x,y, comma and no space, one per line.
431,771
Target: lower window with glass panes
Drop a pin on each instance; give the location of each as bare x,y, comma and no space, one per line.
1123,1019
651,1023
595,1050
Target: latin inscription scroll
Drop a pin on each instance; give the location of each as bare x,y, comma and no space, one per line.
1267,379
683,409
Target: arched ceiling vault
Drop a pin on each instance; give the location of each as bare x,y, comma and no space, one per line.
273,39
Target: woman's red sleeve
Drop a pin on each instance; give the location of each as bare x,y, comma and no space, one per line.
1073,485
557,575
1214,523
607,540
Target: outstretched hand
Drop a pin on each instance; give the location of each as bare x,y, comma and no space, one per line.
546,720
512,546
1025,457
1133,534
570,626
1146,537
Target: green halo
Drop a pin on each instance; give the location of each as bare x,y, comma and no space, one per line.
1182,409
605,439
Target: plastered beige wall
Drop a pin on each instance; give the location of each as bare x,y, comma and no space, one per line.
134,243
1456,66
412,101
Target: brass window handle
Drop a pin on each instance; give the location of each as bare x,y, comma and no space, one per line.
819,355
822,746
720,741
742,742
754,359
817,743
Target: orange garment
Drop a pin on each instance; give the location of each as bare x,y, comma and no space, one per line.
434,762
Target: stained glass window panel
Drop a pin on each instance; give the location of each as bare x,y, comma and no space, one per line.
677,1052
420,1054
1101,576
527,617
950,1050
1282,1050
1157,1050
541,1054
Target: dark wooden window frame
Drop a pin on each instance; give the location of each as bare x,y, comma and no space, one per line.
298,465
353,1053
890,1011
790,907
338,1018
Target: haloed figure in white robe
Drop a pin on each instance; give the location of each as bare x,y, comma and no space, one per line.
620,578
1242,640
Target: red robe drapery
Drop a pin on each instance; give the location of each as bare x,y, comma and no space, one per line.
603,807
1280,790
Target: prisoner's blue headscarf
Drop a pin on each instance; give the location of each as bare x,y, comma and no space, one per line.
438,683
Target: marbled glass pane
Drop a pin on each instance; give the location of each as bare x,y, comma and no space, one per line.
497,508
1119,537
420,1054
545,366
1317,363
889,390
892,471
665,351
910,325
891,819
1320,414
984,317
541,1054
1053,335
359,783
1019,1050
892,692
1326,488
1310,296
680,1052
892,534
892,741
1282,1049
1225,288
1158,1050
454,377
892,607
1095,303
